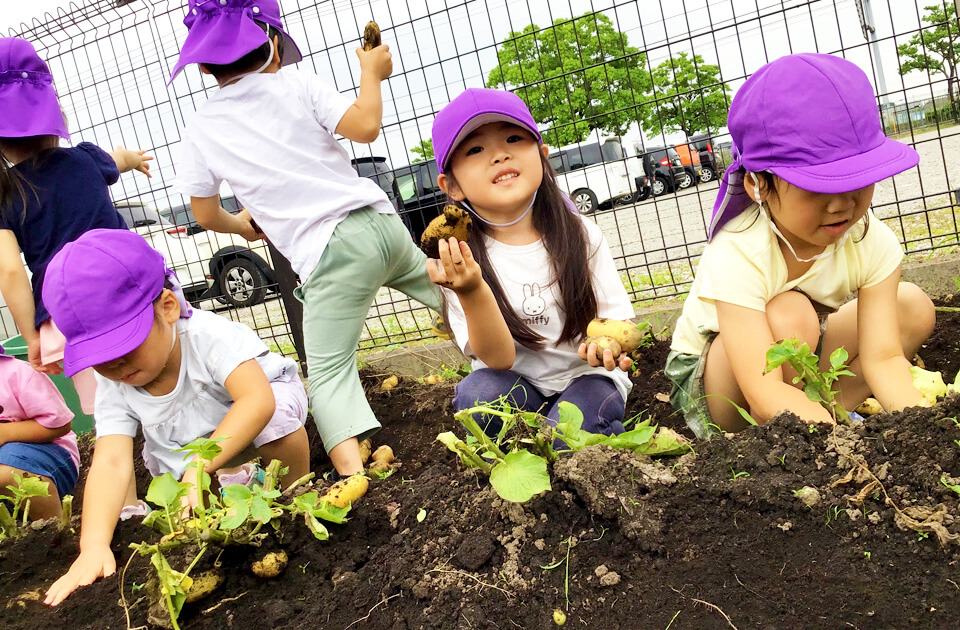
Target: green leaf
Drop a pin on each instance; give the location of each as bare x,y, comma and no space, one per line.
310,503
422,514
236,515
955,488
570,414
667,442
165,490
520,477
838,358
812,390
260,510
235,493
203,448
319,531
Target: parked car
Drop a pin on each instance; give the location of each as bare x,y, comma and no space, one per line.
420,197
708,160
240,272
690,158
664,168
377,169
596,174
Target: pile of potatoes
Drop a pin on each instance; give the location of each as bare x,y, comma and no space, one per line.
617,335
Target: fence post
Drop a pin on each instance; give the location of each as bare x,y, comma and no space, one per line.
286,283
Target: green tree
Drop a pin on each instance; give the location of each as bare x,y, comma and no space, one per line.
936,49
423,151
575,76
690,97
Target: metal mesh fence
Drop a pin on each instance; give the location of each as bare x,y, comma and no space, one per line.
632,93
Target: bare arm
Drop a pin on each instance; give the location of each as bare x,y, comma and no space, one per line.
212,216
131,160
103,498
361,123
15,286
30,431
746,338
885,369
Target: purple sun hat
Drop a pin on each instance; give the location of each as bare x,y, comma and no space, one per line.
474,108
99,290
28,101
813,121
222,31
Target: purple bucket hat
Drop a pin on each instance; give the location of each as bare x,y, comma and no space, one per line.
28,101
474,108
222,31
813,121
99,290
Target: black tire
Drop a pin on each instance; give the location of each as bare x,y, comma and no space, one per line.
659,186
624,200
643,195
585,200
241,282
686,181
707,174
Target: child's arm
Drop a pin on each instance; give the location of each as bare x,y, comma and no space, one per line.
128,160
253,406
885,369
18,294
30,431
211,215
746,338
102,501
361,123
489,335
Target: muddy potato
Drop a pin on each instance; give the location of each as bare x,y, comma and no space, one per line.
366,447
627,334
389,383
869,407
204,584
271,565
379,468
604,343
384,454
346,491
371,36
454,221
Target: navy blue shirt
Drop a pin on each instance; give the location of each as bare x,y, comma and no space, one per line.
69,196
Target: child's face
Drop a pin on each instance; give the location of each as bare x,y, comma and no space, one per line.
812,221
150,361
497,169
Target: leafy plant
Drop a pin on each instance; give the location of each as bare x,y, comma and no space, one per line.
817,385
738,474
13,521
517,458
955,488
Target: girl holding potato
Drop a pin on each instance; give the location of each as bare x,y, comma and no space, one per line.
792,239
519,297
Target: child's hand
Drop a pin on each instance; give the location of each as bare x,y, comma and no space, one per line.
248,229
134,160
189,501
589,354
86,569
456,269
33,356
377,61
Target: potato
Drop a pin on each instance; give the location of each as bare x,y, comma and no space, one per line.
869,407
271,565
379,468
389,383
454,221
384,454
432,379
366,447
371,36
627,334
204,584
603,343
346,491
930,384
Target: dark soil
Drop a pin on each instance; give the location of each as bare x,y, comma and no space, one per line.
714,541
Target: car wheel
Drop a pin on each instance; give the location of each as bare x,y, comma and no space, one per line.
585,201
707,175
659,186
241,282
624,200
686,181
644,194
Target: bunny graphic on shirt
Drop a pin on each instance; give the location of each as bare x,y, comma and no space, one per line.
533,304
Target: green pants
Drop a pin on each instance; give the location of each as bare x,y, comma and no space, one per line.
368,250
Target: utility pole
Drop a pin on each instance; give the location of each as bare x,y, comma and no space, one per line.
865,13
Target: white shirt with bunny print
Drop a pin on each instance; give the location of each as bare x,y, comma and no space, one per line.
525,274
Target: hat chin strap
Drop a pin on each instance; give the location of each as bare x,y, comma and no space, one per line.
491,224
257,71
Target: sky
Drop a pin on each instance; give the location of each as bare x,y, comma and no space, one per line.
111,73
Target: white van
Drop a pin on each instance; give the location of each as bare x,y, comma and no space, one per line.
595,173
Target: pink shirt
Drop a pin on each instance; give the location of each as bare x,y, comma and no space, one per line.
25,394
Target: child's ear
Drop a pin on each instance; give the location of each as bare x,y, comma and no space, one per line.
276,49
169,306
204,69
545,150
448,186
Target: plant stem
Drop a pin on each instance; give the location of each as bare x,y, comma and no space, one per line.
466,417
66,512
477,461
186,572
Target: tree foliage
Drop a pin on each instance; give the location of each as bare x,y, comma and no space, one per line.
935,49
690,97
423,151
575,76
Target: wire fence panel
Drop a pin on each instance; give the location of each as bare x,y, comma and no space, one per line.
631,97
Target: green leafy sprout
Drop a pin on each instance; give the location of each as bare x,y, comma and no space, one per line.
817,385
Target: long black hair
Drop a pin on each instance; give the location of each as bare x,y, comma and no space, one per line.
14,188
565,239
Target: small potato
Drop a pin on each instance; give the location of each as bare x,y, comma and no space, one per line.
343,493
453,221
627,334
379,468
604,343
389,383
271,565
366,447
869,407
371,36
432,379
204,584
384,454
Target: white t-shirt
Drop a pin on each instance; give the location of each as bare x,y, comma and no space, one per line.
743,265
270,136
526,276
211,348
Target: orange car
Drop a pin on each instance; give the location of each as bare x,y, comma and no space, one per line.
690,158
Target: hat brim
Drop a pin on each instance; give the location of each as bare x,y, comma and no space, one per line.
79,354
479,120
30,108
852,173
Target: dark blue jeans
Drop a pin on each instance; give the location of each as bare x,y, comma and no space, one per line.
594,395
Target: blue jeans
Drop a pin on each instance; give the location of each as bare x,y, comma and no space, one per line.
594,395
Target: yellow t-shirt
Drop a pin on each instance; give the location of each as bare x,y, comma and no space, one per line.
743,265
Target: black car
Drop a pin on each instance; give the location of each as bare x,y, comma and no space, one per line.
377,169
420,197
665,170
708,160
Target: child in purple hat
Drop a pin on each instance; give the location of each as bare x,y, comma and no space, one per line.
519,297
792,240
166,372
270,135
48,197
